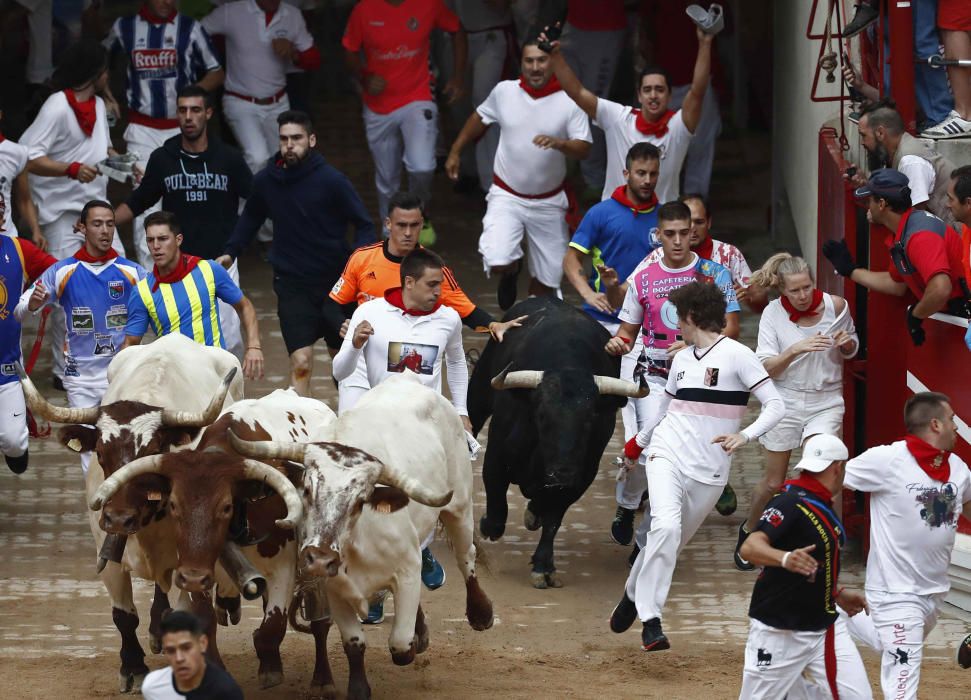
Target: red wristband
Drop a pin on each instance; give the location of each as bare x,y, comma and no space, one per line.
632,450
73,169
627,341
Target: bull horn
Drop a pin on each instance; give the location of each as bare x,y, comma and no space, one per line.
268,449
520,379
200,419
40,406
150,464
392,476
619,387
279,483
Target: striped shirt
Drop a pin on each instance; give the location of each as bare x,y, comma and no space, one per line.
162,59
187,306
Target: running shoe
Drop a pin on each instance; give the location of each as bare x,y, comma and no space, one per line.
652,637
622,529
432,573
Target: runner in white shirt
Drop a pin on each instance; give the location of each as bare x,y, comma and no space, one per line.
804,338
539,127
690,452
409,329
918,489
14,184
624,126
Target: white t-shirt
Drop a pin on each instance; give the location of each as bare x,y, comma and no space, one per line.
709,391
618,122
725,254
913,518
13,160
56,134
406,342
920,172
811,371
525,167
252,68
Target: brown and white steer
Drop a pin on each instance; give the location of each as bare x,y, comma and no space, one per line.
203,487
396,463
159,397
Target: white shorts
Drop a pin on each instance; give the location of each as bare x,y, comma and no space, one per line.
807,413
143,140
84,394
543,221
13,420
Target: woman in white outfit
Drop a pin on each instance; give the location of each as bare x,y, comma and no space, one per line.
804,337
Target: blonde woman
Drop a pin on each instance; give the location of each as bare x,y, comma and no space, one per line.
804,337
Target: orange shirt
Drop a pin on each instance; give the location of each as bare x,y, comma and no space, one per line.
395,41
372,270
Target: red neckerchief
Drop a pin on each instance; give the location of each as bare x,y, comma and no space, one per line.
812,485
795,314
933,461
187,263
2,139
658,128
705,250
620,195
269,17
393,297
84,256
552,86
86,112
146,14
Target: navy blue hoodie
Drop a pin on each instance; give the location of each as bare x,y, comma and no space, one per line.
311,206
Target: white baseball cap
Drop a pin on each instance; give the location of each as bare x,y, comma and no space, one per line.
820,451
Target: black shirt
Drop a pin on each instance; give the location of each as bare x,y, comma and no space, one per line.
797,517
216,685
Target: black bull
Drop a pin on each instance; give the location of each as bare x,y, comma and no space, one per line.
548,439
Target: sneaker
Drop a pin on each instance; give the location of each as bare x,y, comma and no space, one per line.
18,465
727,502
432,573
427,236
740,563
964,653
375,611
953,127
866,14
623,615
622,529
652,637
633,556
506,294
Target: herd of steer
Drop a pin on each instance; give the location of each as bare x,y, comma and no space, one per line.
280,499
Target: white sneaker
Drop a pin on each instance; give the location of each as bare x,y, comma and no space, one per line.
954,127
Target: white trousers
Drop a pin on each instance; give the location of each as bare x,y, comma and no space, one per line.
405,135
64,241
543,221
13,420
84,395
679,505
143,140
701,151
593,57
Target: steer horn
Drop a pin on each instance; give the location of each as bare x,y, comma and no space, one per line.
279,483
268,449
152,464
619,387
48,411
200,419
520,379
418,492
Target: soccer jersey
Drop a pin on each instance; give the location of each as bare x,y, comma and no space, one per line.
913,518
164,55
13,160
373,270
395,41
520,163
187,306
20,261
618,122
646,304
726,255
95,298
709,391
615,234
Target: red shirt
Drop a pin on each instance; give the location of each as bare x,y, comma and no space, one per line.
930,255
596,15
395,43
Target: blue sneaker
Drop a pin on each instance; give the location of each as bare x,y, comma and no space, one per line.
432,573
375,611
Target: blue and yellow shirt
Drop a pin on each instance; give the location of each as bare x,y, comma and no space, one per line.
188,306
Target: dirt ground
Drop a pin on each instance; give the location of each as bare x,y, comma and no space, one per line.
57,639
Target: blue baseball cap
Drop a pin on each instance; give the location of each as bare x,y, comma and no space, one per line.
885,182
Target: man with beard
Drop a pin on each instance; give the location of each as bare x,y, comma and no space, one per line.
311,205
889,146
202,181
